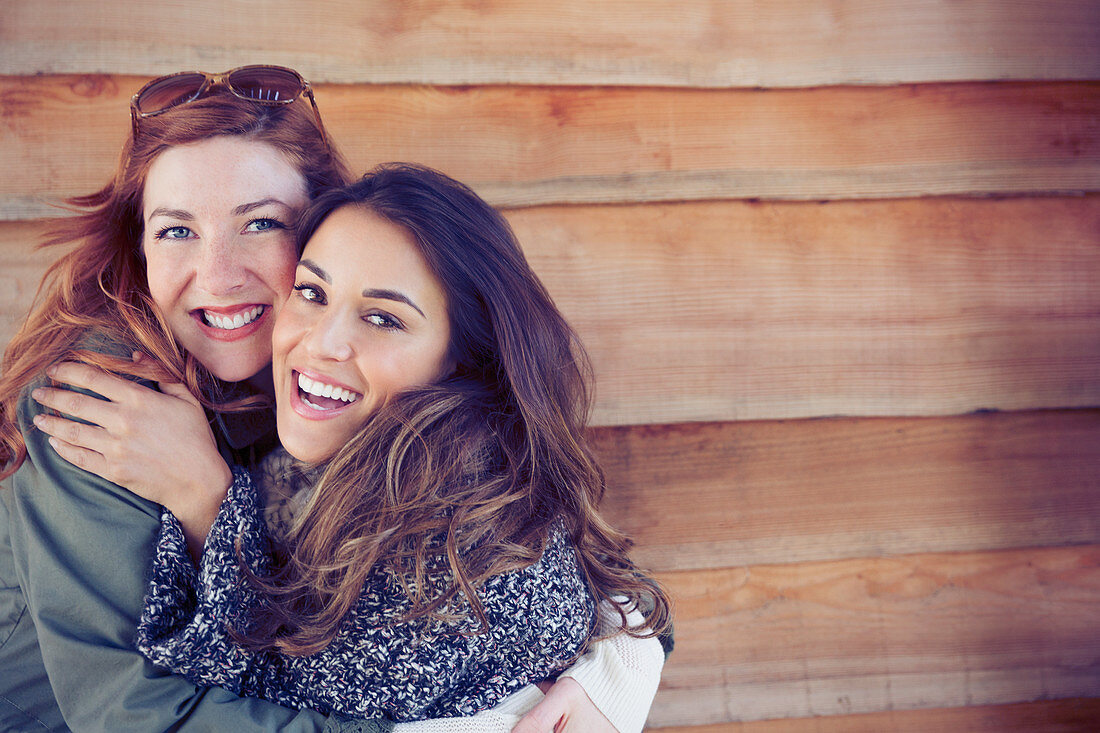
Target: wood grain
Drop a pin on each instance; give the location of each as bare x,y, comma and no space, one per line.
714,495
701,43
524,146
1073,715
874,635
717,311
734,311
21,273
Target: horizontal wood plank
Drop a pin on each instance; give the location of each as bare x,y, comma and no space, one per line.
705,43
721,494
20,274
874,635
735,311
1073,715
543,145
717,311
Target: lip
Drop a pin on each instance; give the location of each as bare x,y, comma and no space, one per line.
236,334
305,411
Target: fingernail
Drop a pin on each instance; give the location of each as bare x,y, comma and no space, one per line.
38,420
37,395
51,370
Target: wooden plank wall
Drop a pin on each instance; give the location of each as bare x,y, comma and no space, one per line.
837,266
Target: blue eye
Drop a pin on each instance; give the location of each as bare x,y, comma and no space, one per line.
310,294
263,225
173,233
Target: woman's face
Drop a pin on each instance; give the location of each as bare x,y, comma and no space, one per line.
367,319
219,247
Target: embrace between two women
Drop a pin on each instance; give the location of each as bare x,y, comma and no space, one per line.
421,541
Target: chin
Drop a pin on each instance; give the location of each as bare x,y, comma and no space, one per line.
235,372
305,454
301,444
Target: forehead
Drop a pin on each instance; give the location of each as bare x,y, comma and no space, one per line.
222,172
360,246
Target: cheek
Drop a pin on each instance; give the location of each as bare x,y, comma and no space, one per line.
287,332
162,279
425,365
278,272
280,337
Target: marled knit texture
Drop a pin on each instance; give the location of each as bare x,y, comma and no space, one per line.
539,619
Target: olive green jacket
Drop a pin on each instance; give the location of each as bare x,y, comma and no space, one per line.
74,552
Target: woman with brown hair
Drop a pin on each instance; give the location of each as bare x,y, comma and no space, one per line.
183,256
450,524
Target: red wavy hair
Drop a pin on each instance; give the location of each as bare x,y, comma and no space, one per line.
99,285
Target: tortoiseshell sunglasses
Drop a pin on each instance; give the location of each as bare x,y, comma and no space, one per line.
268,85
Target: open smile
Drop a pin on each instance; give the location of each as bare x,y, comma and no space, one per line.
317,398
233,323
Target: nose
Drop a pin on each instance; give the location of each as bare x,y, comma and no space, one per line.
221,268
329,338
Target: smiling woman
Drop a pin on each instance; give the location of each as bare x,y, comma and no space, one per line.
367,319
75,547
206,188
446,519
220,257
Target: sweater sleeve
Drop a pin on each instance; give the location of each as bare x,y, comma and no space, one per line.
620,673
188,611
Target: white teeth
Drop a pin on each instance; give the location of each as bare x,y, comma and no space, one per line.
228,324
320,389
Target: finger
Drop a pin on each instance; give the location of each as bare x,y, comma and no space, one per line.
179,391
78,405
80,457
543,718
73,433
111,386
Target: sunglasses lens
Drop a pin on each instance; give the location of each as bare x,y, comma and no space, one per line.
266,83
168,92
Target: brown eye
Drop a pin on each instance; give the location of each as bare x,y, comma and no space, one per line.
382,320
310,293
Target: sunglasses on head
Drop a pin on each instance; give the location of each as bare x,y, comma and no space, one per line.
267,85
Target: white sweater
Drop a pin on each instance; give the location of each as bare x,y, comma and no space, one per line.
619,674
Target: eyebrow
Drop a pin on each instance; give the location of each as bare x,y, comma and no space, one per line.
171,213
380,293
239,211
245,208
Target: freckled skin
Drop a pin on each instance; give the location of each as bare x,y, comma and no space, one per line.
204,251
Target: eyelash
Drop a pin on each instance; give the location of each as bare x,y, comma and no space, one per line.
276,223
389,323
163,231
300,288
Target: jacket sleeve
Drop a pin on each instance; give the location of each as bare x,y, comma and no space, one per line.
81,547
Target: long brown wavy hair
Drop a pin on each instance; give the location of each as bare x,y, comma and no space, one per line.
99,285
450,484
